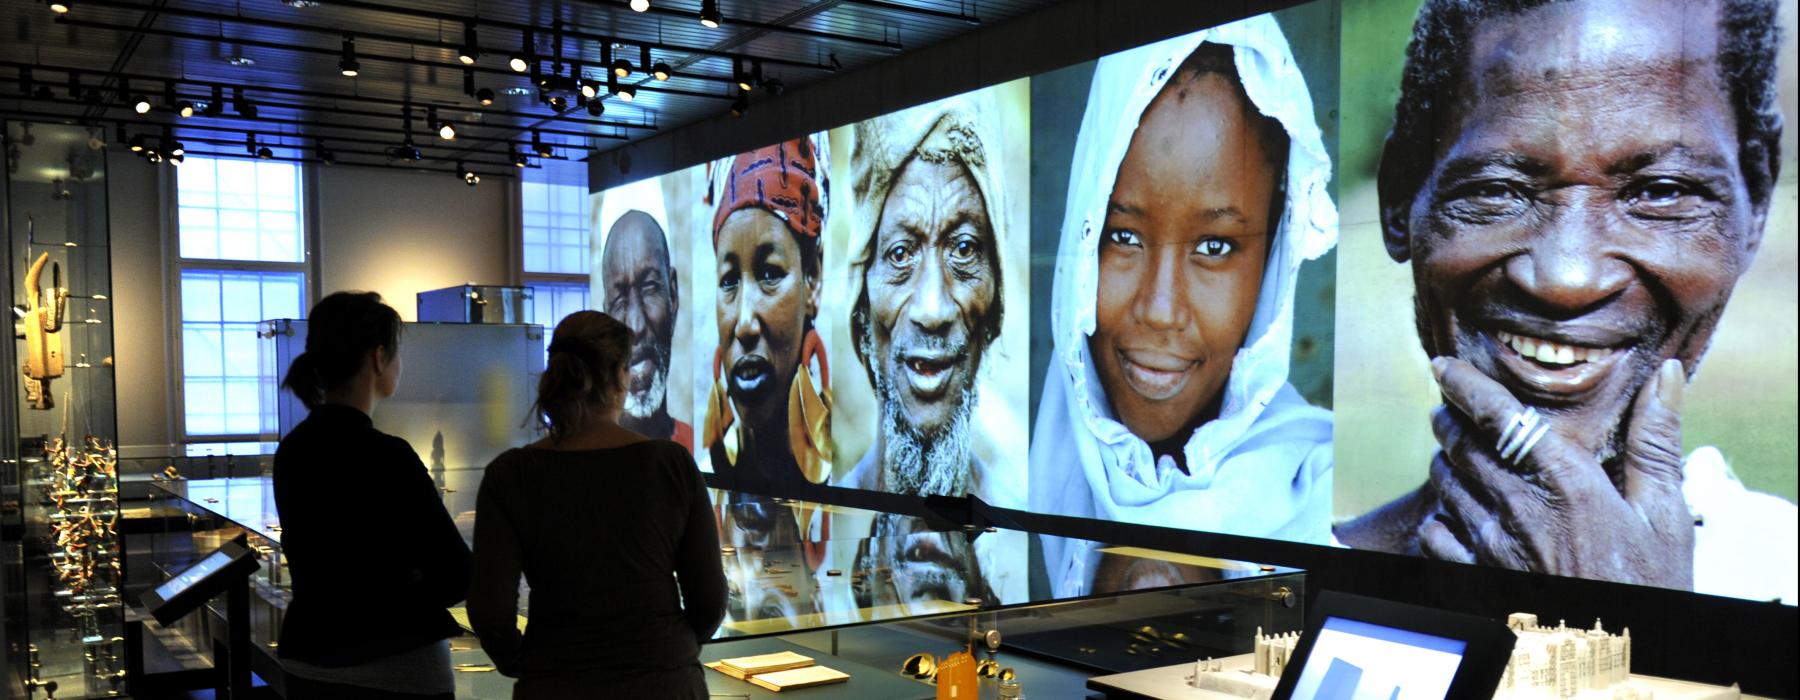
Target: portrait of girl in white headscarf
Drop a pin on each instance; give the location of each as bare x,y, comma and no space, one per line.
1197,188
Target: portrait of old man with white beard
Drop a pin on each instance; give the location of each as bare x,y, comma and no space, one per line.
641,291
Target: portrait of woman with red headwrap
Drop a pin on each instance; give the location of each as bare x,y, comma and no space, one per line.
768,404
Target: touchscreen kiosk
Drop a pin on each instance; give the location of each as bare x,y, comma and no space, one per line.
1358,648
191,587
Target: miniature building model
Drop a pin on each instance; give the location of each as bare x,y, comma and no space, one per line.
1559,662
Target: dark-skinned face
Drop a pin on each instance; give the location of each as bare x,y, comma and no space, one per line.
1181,256
1586,217
931,282
640,292
764,302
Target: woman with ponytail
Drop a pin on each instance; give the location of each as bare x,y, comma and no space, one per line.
597,518
375,559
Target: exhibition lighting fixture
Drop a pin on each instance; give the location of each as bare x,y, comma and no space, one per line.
61,7
709,14
485,97
469,177
588,90
153,157
347,63
743,78
177,158
139,102
471,51
658,70
640,5
621,67
245,107
264,153
521,61
136,143
519,159
445,129
177,150
184,108
559,103
538,145
595,109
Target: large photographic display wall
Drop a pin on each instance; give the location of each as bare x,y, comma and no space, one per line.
1503,283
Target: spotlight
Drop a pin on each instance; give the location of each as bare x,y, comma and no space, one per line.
741,105
264,153
177,150
588,90
595,109
627,93
559,103
640,5
709,14
538,145
621,68
347,62
140,104
743,78
661,71
177,158
521,61
61,7
136,143
153,157
472,180
484,96
470,50
468,176
519,159
184,108
447,131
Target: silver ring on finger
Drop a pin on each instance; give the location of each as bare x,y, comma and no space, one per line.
1518,430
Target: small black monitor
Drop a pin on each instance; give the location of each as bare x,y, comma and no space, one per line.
1357,648
192,587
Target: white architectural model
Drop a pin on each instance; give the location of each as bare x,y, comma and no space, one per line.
1560,663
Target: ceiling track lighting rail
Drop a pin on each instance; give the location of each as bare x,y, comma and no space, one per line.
889,6
465,50
342,151
340,163
337,112
883,45
276,46
453,18
27,68
396,134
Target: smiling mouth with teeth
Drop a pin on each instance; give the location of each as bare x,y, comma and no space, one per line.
1551,353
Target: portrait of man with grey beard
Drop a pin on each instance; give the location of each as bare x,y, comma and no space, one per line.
641,291
929,309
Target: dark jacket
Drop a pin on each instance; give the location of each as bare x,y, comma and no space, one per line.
373,556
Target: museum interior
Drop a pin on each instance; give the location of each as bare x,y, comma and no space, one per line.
1255,349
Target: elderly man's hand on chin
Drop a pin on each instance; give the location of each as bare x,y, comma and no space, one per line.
1556,511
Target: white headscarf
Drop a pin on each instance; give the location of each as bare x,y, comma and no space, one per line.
1262,468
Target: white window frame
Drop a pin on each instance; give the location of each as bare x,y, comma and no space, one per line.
176,264
527,278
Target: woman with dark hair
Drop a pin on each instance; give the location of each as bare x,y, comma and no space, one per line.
368,616
596,517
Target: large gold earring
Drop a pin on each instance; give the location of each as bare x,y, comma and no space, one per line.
809,413
718,413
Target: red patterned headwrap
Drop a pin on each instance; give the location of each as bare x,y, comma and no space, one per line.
783,178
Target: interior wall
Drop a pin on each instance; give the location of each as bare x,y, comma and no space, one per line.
393,232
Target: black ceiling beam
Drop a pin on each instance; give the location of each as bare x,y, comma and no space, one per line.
569,116
338,151
403,60
571,33
359,34
883,44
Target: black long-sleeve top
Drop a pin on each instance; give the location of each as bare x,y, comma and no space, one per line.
374,558
621,552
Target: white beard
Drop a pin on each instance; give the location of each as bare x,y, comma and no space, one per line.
926,465
646,405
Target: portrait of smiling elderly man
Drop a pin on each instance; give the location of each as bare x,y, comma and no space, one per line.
1579,187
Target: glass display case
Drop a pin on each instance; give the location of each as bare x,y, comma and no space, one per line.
61,502
867,601
477,303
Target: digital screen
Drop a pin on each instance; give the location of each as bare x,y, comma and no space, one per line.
192,575
1354,660
1415,276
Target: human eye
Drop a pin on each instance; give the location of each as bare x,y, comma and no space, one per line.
1214,247
1123,238
728,282
899,254
965,249
650,288
770,274
1666,198
1488,200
